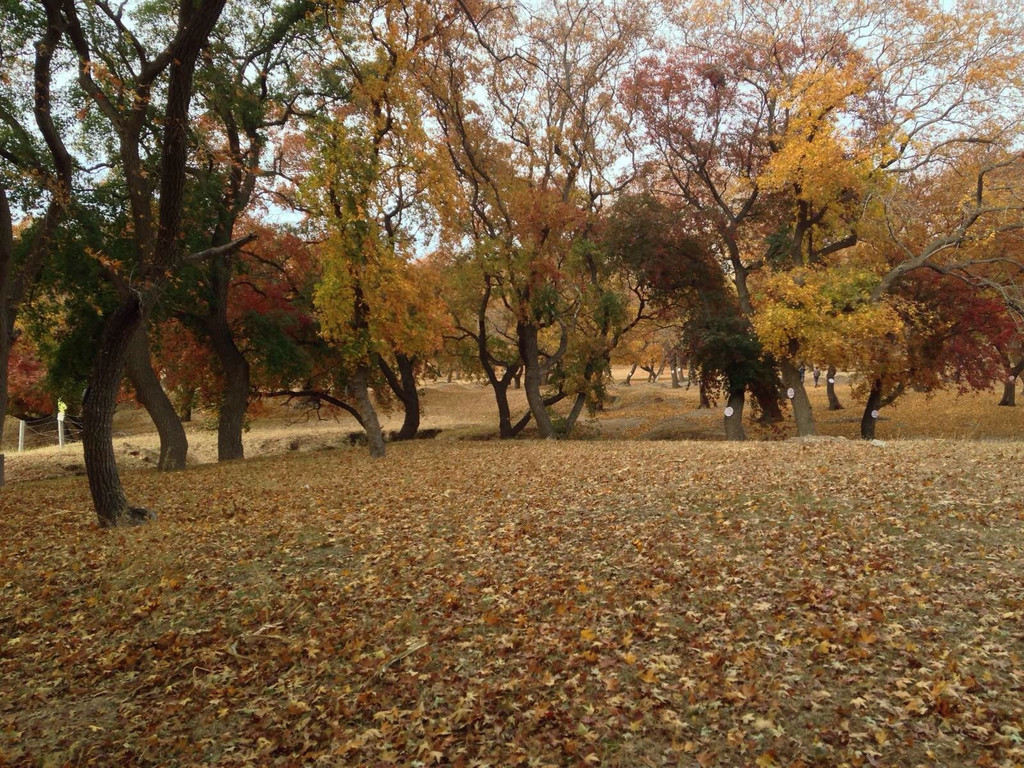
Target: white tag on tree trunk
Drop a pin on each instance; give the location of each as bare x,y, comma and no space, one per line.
831,381
790,393
874,414
729,411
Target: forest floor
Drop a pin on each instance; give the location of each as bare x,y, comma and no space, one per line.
471,602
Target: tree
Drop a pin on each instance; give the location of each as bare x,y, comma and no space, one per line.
247,86
533,160
367,197
155,54
684,279
951,334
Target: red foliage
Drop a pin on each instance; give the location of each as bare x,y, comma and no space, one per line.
958,336
25,383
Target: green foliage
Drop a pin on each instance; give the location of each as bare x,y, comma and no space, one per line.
778,247
724,344
271,339
64,318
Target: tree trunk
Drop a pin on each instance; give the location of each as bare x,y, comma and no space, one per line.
235,396
234,368
411,401
661,370
360,390
830,390
675,372
500,389
6,312
1010,385
870,417
705,401
4,353
766,395
629,375
801,403
173,442
1009,392
404,386
734,416
186,410
533,375
574,413
513,371
108,496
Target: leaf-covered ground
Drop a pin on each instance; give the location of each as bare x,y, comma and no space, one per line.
482,603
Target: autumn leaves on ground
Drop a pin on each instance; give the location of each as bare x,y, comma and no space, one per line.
589,602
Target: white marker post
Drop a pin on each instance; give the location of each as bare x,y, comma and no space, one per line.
62,409
21,435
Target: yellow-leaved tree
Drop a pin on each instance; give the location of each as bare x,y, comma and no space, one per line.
367,195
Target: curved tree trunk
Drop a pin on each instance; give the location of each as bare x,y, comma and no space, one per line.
359,387
108,496
574,413
801,403
500,388
830,390
411,422
629,376
403,384
734,418
513,370
870,417
173,442
529,352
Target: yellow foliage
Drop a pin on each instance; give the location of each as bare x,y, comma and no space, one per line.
826,312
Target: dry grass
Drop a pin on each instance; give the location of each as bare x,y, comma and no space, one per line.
466,410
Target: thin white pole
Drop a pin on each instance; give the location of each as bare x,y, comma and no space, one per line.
60,429
21,435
